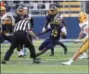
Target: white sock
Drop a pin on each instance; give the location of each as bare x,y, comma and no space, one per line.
21,52
85,54
70,61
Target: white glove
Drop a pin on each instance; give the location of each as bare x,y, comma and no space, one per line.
8,34
77,41
64,30
37,38
43,30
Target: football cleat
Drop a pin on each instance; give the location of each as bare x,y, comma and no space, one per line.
37,60
3,62
66,63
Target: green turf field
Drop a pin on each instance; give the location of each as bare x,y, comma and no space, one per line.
48,65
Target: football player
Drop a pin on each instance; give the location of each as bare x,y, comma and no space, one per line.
55,30
7,23
85,46
52,13
82,18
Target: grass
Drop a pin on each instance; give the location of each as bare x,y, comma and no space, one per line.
48,65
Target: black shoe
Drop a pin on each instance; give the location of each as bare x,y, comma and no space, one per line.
37,61
51,54
3,62
65,50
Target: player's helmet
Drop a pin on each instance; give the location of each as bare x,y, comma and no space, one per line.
20,10
52,10
2,10
82,17
7,20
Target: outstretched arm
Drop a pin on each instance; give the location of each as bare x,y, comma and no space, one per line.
64,23
41,33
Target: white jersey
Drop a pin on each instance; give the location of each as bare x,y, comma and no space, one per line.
6,15
85,28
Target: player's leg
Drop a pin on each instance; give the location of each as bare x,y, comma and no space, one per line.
9,52
83,48
84,55
52,52
28,43
1,38
62,45
1,41
63,35
43,44
24,50
50,45
41,52
42,47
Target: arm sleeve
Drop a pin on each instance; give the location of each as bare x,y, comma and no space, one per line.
28,26
63,22
47,21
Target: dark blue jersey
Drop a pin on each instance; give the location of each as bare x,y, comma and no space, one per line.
7,28
55,31
51,18
55,26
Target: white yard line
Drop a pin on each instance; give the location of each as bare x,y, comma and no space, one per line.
46,73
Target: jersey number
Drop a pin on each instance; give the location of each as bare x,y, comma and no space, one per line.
54,33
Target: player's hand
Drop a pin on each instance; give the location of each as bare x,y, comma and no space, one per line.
43,30
37,38
76,41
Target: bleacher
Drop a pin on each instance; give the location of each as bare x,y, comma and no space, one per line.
70,8
41,8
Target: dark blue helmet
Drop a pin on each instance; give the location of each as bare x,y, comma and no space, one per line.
53,7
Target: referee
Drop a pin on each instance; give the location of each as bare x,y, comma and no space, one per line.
22,36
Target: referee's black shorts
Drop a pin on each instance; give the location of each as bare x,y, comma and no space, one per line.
21,37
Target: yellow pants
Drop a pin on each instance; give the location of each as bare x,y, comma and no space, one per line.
85,46
84,39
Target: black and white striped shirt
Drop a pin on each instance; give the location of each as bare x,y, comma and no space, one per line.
22,25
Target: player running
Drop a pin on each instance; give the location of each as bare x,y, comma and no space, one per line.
85,46
55,30
83,14
52,13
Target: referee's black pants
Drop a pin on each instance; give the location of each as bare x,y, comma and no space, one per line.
20,38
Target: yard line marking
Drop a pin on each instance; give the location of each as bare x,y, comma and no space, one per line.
47,73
